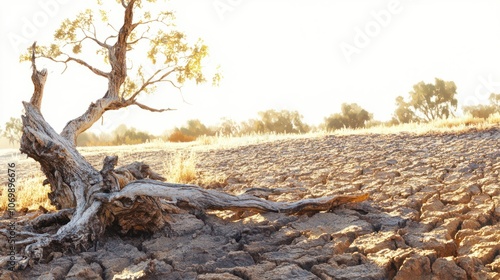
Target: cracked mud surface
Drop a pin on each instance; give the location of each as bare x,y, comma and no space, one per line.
433,213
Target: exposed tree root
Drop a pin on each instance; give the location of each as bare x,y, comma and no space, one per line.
137,208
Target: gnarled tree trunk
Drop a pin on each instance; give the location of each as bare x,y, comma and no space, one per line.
132,197
128,196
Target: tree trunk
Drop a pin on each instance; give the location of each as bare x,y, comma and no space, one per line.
131,197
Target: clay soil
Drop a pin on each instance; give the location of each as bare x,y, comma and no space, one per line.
433,213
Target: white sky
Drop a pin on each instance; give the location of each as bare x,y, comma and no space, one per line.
276,54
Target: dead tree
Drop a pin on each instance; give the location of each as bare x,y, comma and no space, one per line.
132,197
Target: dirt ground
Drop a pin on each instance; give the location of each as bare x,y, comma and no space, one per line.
433,213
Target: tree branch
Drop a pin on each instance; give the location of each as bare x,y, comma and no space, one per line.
140,38
150,81
79,61
142,106
76,126
191,196
38,78
91,68
102,44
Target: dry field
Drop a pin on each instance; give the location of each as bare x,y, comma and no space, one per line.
433,211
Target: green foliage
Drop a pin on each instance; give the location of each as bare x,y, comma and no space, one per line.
351,116
153,44
484,111
13,130
427,102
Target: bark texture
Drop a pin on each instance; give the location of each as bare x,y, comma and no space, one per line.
131,198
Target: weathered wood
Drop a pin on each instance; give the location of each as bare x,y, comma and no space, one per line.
67,171
38,78
131,197
194,197
61,217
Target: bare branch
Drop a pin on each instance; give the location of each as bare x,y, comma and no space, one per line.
148,22
140,38
83,63
192,196
142,106
111,36
102,44
38,78
76,126
151,81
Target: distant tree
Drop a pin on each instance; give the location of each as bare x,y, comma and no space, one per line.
495,100
283,121
252,126
480,111
403,113
484,111
428,102
129,136
122,135
86,139
228,127
195,128
13,130
356,116
351,116
334,122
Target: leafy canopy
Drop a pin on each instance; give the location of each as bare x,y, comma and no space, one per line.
484,111
352,116
156,51
427,102
13,130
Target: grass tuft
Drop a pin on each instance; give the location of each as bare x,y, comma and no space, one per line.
181,169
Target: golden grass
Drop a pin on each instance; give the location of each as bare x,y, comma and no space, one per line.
30,193
458,124
181,169
494,119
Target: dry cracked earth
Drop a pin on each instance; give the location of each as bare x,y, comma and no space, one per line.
433,213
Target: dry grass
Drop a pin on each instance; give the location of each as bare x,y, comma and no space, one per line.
225,142
458,124
181,169
494,119
29,194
